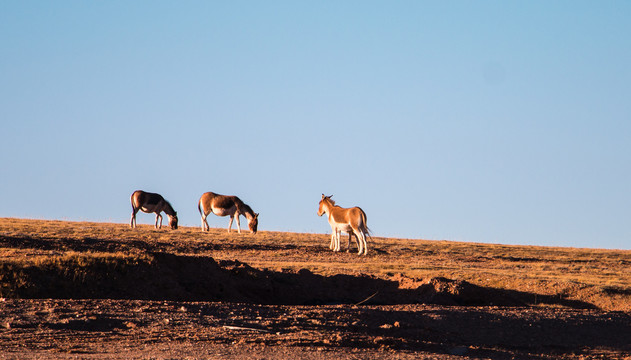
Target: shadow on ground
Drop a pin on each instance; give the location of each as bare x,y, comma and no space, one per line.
163,276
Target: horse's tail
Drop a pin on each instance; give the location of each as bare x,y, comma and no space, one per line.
133,201
134,209
365,222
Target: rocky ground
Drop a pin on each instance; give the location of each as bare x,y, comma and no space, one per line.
134,329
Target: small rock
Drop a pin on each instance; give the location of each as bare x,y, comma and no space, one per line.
130,325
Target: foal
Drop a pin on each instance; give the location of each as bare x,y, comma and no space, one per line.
151,203
224,205
350,220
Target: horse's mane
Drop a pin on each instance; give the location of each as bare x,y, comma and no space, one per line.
246,208
331,201
169,210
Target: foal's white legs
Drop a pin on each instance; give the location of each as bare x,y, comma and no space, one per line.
336,235
337,240
332,244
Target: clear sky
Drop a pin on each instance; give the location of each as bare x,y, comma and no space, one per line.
484,121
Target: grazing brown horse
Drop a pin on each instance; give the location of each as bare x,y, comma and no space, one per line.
350,220
224,205
151,203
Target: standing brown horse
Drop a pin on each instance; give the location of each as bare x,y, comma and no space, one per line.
350,220
224,205
151,203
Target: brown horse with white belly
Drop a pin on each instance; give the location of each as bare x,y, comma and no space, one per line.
350,220
151,203
225,205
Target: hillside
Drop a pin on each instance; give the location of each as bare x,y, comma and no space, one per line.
189,275
589,278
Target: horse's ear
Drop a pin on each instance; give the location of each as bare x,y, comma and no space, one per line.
256,215
323,196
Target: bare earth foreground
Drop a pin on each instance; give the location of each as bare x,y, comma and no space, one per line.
104,291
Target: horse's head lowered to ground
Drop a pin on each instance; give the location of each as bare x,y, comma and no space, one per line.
253,223
173,220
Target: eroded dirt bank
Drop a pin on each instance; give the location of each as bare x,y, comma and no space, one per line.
163,276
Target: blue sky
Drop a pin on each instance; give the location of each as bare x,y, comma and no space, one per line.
489,121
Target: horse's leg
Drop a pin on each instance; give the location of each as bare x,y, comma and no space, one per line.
337,241
237,215
363,241
334,232
205,226
364,235
132,223
348,249
230,223
332,244
360,244
158,217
